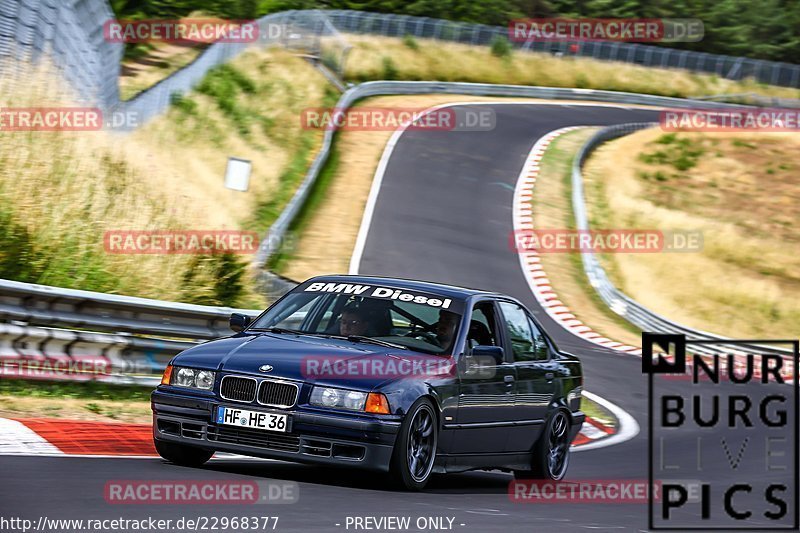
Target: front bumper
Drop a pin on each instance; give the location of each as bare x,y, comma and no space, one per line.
331,439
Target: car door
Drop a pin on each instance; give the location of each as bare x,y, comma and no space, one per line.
486,393
535,375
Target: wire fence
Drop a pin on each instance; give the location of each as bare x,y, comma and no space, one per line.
309,32
70,32
734,68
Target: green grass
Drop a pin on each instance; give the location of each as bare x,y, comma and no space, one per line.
89,390
410,42
316,196
554,155
598,412
678,152
270,207
225,84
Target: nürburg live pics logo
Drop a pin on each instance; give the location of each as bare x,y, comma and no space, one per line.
723,433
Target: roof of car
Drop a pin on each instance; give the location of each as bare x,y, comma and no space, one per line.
450,291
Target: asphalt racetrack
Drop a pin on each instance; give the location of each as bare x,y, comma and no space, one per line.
444,214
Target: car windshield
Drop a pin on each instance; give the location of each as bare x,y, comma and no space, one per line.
388,316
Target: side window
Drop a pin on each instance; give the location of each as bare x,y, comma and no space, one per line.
482,326
519,332
540,345
296,314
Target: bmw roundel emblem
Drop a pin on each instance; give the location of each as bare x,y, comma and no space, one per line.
265,368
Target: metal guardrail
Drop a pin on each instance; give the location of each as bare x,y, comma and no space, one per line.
41,305
126,339
51,353
619,303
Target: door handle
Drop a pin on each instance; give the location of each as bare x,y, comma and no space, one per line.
508,379
549,376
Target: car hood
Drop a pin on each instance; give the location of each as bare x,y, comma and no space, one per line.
290,356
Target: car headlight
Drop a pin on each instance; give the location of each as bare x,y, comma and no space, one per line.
195,379
338,398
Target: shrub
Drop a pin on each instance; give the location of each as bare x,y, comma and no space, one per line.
501,47
183,103
389,69
410,42
214,280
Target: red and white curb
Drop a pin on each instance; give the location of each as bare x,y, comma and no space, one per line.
18,439
76,438
531,262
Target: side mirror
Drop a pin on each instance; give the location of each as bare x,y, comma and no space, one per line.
238,322
495,352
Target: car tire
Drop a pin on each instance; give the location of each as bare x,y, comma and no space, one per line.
181,454
550,458
415,448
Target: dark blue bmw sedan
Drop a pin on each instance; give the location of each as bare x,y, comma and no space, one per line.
405,377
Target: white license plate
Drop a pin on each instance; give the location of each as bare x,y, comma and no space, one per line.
252,419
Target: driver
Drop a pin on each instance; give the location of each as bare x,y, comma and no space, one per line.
354,321
446,327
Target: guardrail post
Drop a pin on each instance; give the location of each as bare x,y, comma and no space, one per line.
8,334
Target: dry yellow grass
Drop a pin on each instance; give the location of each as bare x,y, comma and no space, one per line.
64,190
741,194
68,188
137,412
552,209
199,145
435,60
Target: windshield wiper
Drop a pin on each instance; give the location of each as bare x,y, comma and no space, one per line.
286,330
351,338
387,344
276,330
